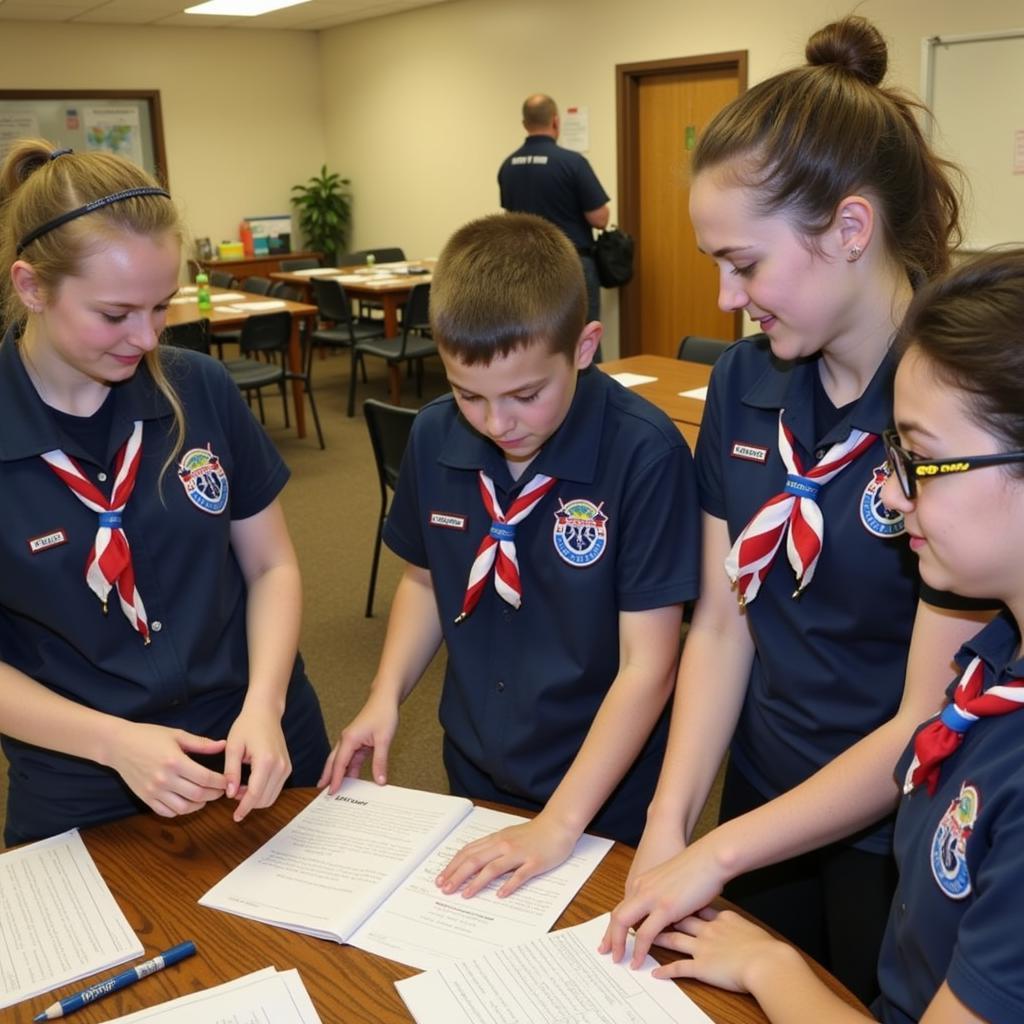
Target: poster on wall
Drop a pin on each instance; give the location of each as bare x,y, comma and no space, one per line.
114,130
575,129
16,125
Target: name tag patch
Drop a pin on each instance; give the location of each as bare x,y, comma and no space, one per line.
749,452
53,539
449,520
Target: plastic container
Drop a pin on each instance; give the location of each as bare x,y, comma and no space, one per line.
245,234
203,293
370,259
230,250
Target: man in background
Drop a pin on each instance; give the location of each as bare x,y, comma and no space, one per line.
558,184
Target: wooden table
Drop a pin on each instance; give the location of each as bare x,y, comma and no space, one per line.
673,376
157,868
390,292
255,266
179,313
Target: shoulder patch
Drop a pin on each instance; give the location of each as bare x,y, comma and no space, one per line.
581,531
948,854
204,480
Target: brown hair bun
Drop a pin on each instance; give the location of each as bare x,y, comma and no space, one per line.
854,45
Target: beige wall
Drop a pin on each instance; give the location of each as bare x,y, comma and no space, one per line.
420,108
241,108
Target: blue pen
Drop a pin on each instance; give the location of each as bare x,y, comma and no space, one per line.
116,982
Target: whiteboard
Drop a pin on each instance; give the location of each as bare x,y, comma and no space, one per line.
974,86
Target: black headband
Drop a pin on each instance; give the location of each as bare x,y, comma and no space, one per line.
96,204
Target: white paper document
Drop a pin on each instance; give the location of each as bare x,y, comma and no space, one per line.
267,995
359,867
58,920
315,272
630,380
701,394
549,980
259,306
226,296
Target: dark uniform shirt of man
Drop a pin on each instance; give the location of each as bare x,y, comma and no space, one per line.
557,184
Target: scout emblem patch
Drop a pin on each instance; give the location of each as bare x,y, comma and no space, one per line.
948,854
581,531
204,480
876,517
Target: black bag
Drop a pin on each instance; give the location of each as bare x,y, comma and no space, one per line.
613,254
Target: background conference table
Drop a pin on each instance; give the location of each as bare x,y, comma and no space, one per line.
224,314
673,376
390,290
157,868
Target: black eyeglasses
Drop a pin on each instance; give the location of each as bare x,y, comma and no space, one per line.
909,470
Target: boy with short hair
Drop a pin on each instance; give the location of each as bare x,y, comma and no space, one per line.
550,525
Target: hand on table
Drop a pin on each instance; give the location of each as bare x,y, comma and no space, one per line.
371,731
719,947
525,850
659,898
154,762
658,844
255,739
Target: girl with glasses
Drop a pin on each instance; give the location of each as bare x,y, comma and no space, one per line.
951,951
149,592
824,208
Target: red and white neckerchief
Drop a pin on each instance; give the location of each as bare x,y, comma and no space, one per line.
941,737
110,560
793,514
498,548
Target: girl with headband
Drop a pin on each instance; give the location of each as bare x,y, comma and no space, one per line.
150,595
824,208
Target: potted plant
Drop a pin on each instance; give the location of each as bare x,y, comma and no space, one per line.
325,212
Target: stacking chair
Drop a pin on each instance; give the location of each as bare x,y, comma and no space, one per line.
303,263
222,279
411,346
389,427
701,350
256,285
338,328
283,290
194,335
267,334
392,254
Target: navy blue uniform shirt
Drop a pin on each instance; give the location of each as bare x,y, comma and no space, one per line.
619,532
558,184
829,666
194,673
957,912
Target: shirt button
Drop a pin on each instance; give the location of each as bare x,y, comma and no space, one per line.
156,626
101,477
903,908
500,687
820,454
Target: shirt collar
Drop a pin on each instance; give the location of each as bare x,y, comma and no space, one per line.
997,645
27,429
790,386
571,453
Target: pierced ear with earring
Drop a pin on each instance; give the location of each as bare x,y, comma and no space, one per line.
854,254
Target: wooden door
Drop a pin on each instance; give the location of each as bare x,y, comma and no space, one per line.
663,108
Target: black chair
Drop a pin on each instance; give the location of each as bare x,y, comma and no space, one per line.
283,290
701,350
337,327
411,346
389,427
392,254
194,335
222,279
267,335
304,263
257,285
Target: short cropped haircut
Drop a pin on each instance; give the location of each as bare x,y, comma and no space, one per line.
504,282
539,111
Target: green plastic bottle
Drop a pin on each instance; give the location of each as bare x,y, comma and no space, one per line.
370,259
203,293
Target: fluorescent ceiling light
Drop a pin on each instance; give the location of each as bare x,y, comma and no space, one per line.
240,8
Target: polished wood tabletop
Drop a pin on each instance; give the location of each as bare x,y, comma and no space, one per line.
219,316
672,377
362,282
157,868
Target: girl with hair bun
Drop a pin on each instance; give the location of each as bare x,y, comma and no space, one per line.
149,592
824,208
950,953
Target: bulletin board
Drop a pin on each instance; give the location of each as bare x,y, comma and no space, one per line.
973,85
126,122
